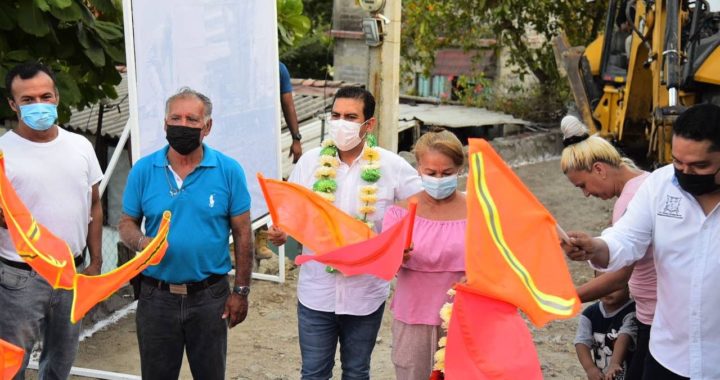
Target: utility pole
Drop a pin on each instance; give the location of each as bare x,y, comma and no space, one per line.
384,76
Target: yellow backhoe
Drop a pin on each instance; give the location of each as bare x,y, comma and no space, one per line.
653,60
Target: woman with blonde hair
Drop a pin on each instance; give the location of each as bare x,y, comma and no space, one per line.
437,259
593,165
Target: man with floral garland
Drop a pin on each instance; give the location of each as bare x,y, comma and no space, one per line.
362,180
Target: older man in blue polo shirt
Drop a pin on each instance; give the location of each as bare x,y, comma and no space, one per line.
185,303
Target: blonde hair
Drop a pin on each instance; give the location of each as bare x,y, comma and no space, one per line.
582,154
443,142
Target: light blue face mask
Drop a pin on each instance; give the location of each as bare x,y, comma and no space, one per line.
39,116
440,188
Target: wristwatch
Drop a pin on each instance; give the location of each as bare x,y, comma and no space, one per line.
241,290
296,136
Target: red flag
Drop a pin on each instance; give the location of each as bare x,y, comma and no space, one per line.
487,339
12,358
313,221
380,256
513,251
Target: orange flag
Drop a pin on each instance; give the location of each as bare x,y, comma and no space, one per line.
513,250
90,290
488,339
12,358
52,258
380,256
313,221
46,253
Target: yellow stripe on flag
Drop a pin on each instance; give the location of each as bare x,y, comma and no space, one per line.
547,302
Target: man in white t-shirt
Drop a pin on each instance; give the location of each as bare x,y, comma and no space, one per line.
56,175
334,308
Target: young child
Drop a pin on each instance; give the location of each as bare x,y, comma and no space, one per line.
606,336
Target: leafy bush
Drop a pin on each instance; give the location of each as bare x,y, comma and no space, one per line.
81,40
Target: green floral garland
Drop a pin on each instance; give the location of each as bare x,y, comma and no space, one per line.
325,185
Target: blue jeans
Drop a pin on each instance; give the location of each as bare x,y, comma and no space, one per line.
168,324
319,334
30,310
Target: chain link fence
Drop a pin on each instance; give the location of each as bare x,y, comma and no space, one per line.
110,239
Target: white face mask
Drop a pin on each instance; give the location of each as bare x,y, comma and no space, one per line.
440,188
345,134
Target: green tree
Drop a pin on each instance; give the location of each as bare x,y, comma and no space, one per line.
429,25
310,56
81,40
292,23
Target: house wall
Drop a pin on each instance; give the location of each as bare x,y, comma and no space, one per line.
506,78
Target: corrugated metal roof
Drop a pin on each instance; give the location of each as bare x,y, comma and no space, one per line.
115,114
307,108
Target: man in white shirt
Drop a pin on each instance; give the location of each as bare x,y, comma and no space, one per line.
333,307
676,210
56,175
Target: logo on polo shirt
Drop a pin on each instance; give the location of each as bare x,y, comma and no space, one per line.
211,201
671,208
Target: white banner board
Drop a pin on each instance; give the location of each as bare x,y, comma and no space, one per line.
225,49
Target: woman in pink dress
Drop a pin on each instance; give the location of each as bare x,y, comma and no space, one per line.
593,165
437,259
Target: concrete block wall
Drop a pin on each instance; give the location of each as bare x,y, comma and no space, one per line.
351,55
351,60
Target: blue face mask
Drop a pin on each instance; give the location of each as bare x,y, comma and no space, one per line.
440,188
39,116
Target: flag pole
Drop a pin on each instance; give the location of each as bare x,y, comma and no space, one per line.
412,207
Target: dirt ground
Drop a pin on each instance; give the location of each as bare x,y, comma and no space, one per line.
265,346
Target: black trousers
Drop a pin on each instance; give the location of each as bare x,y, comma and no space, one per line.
655,371
170,324
637,365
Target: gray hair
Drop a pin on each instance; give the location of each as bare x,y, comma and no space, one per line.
187,92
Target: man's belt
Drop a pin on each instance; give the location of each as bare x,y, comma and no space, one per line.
183,289
79,260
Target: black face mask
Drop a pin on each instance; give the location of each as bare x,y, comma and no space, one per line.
697,184
183,139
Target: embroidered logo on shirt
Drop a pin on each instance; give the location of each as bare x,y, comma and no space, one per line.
671,208
211,201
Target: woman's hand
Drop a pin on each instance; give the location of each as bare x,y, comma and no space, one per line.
407,253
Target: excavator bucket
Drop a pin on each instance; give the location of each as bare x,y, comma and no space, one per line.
568,60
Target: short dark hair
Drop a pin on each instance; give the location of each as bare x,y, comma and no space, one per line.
700,122
359,93
26,70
